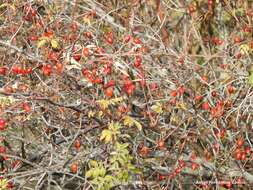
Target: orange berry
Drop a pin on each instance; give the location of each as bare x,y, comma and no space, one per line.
86,52
77,144
74,168
109,92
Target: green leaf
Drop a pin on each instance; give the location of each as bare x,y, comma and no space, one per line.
201,60
93,163
89,174
102,171
251,78
96,172
129,121
157,108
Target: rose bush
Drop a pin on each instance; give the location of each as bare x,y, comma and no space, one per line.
126,94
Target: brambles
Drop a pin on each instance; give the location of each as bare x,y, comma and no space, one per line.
126,95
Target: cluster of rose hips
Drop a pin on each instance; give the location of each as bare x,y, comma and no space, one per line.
241,151
176,93
93,76
16,70
29,12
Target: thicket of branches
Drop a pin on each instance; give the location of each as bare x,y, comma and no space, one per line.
126,94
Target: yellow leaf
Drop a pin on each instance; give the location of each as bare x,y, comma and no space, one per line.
91,114
106,136
86,20
41,43
7,100
181,105
116,100
244,49
13,7
3,5
103,103
3,184
54,43
138,125
100,114
157,108
129,121
93,163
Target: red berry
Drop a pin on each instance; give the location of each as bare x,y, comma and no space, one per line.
109,40
74,26
85,71
3,70
243,156
109,92
59,67
173,93
178,170
77,57
77,144
127,38
181,60
237,39
86,52
144,150
138,59
162,177
239,181
34,38
88,34
181,163
194,166
49,66
2,124
34,12
229,184
153,86
214,93
247,150
181,90
237,150
130,89
173,101
74,168
137,41
231,89
29,70
2,149
198,97
247,29
205,106
98,81
111,83
238,156
128,83
205,79
210,2
46,71
239,142
161,144
26,107
17,69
